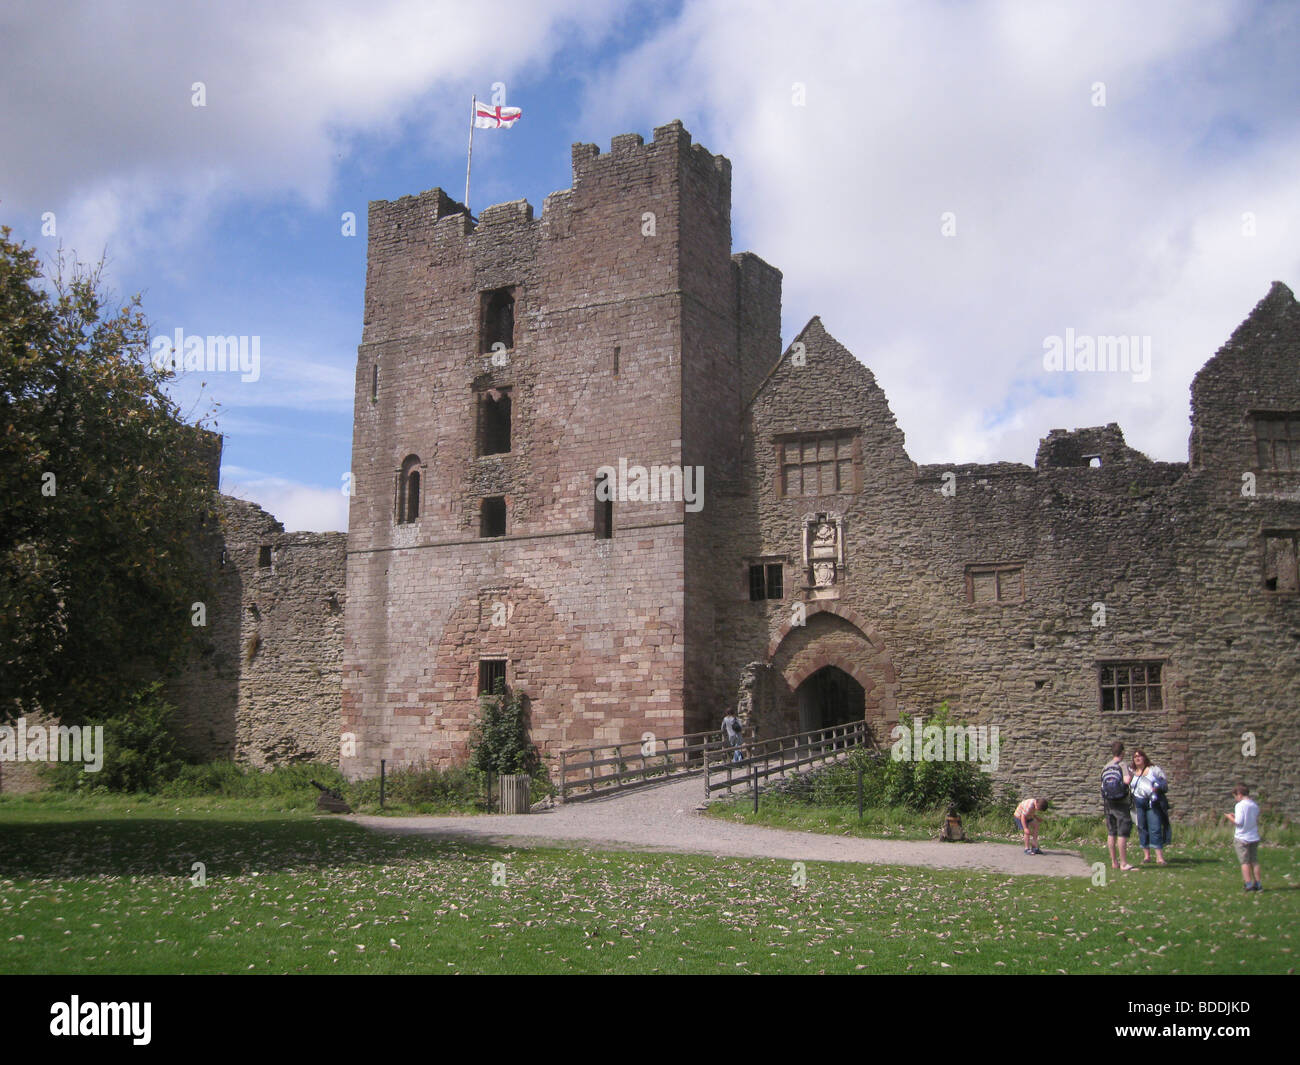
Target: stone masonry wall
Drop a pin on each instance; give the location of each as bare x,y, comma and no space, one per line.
638,336
265,685
1173,555
616,300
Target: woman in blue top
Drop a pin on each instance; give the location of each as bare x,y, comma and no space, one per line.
1148,786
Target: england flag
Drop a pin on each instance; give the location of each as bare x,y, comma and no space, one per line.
498,117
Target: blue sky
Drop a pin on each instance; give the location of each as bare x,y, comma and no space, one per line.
1161,207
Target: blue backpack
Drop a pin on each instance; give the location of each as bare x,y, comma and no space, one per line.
1113,787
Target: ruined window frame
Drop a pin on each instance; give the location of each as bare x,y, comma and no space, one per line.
489,331
836,437
1267,446
483,518
1146,686
1265,536
997,569
482,412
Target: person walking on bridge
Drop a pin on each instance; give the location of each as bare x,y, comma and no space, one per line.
732,735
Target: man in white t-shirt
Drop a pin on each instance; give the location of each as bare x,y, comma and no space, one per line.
1246,839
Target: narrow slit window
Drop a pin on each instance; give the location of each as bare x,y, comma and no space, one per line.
374,383
264,556
413,496
604,523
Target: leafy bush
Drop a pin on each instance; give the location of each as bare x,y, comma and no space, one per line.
501,744
888,782
923,785
140,753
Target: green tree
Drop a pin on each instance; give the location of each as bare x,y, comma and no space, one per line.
104,487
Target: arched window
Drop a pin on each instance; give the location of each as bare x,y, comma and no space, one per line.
408,490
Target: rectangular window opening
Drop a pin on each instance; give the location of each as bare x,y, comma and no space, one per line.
492,517
497,320
1282,561
998,583
1129,687
819,465
1277,440
264,556
491,673
766,581
494,421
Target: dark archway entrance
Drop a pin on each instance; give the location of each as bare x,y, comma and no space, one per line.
830,697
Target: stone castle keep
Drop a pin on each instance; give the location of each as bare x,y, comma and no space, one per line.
827,577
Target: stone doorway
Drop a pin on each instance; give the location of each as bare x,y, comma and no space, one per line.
830,697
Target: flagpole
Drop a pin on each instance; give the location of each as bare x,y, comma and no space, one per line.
473,114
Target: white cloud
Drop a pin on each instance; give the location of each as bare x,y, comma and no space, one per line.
298,507
1122,219
99,124
1117,219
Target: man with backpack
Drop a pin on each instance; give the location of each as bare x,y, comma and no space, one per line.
1115,780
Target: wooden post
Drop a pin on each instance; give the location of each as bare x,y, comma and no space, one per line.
755,768
859,793
381,782
563,776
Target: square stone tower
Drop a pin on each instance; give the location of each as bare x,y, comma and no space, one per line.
504,365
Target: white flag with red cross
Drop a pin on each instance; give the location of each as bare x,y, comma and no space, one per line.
487,116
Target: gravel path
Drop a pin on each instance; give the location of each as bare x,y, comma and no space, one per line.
665,817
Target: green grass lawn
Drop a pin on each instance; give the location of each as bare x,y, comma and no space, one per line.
106,888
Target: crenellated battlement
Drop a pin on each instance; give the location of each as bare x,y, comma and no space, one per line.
589,164
434,215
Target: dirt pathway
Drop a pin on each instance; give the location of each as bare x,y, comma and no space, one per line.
664,817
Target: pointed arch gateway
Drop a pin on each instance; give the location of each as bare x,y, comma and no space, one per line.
833,669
